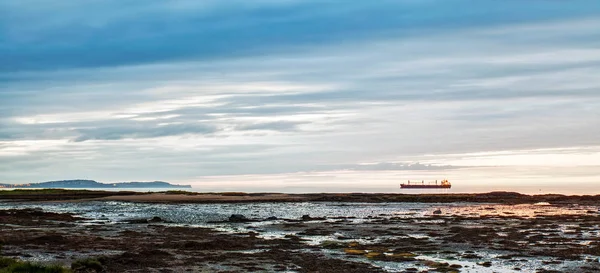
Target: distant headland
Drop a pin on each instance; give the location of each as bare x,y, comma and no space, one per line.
91,184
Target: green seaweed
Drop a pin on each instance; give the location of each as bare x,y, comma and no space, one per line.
15,266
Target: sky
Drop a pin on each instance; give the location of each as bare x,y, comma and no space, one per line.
303,96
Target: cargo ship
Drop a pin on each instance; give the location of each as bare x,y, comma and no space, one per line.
421,185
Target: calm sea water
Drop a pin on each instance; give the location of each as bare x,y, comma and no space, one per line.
470,185
569,189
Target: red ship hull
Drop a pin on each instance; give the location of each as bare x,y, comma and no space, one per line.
407,186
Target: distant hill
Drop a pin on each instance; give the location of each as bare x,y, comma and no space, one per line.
91,184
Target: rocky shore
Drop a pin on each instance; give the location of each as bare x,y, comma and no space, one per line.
151,246
509,236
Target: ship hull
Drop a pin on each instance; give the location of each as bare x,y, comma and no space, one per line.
406,186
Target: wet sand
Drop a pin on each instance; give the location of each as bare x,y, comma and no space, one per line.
240,197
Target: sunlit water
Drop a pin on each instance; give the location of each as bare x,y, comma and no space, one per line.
462,189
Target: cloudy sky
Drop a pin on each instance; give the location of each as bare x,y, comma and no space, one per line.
286,95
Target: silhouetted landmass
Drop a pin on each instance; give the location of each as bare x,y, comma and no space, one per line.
91,184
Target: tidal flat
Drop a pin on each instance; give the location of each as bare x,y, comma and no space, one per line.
114,235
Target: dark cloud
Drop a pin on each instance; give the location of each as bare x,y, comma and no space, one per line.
49,36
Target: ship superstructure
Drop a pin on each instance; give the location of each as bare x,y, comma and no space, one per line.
444,184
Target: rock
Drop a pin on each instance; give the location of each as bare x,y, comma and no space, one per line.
50,239
437,211
315,232
355,251
332,245
272,218
471,256
294,238
238,218
156,219
373,255
486,264
137,221
307,217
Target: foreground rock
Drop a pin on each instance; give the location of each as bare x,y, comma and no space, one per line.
156,248
238,218
405,238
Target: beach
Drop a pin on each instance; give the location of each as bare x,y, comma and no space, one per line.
93,231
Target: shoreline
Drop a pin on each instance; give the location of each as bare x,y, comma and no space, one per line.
176,197
316,237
